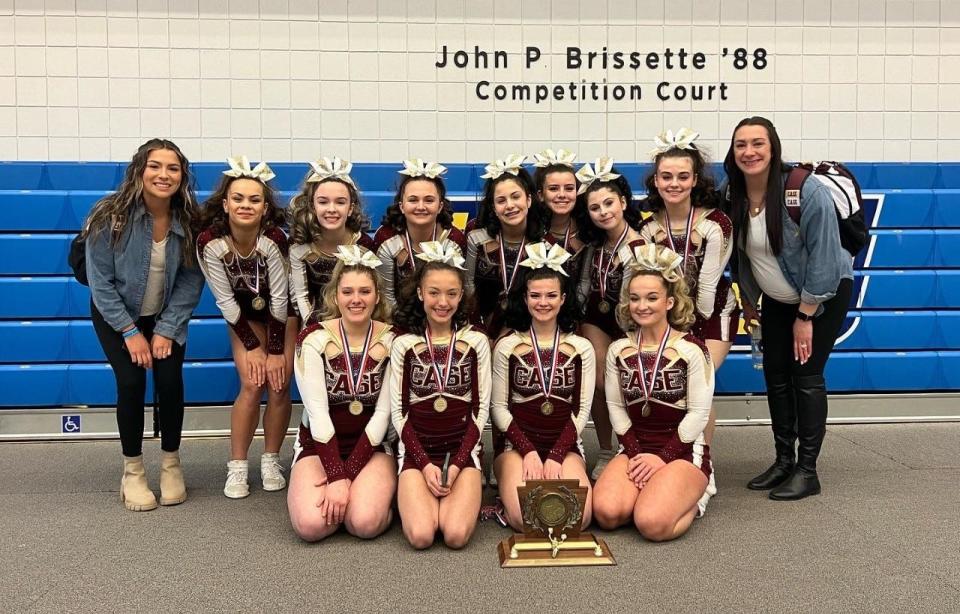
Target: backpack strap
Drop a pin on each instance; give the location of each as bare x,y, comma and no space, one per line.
794,184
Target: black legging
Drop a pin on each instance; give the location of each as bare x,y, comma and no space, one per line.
132,385
776,324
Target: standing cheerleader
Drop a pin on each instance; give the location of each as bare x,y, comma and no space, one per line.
144,284
420,212
323,216
440,395
341,472
508,220
543,382
606,218
659,386
243,253
557,189
683,197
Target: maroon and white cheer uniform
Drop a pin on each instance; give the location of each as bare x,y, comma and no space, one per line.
718,316
311,270
679,406
426,434
239,282
391,247
485,277
517,398
574,246
343,441
589,290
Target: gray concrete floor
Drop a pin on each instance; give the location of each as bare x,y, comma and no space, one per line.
883,537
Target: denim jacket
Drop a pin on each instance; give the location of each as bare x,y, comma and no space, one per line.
812,260
118,276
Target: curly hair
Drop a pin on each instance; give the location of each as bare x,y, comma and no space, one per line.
681,316
411,317
213,214
330,309
394,217
118,205
302,215
487,215
704,193
518,316
588,232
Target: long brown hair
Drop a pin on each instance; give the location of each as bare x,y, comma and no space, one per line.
113,210
213,215
330,310
304,226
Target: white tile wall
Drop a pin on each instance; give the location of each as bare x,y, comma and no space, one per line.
291,79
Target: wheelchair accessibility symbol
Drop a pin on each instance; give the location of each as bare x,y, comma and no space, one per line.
70,424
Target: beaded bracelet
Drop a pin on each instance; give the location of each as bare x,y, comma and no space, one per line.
129,333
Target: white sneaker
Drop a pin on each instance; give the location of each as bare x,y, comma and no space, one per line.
603,458
271,472
707,494
236,486
491,478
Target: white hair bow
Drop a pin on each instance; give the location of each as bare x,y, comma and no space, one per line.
509,165
653,257
446,252
415,167
325,168
544,254
548,157
354,255
240,167
601,171
667,140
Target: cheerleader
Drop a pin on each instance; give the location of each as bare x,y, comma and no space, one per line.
543,382
420,212
243,254
659,386
341,471
325,215
606,218
682,195
439,395
507,221
557,189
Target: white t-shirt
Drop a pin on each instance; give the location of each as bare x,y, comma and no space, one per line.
156,279
766,269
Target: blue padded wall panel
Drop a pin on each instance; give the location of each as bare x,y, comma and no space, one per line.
737,375
864,172
35,210
906,209
900,289
948,323
894,330
208,339
950,369
948,289
902,249
81,202
901,371
22,175
949,176
915,175
207,307
84,345
84,175
34,254
94,384
37,297
31,342
34,385
947,248
946,209
844,371
210,382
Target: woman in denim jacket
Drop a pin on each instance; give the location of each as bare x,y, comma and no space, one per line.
805,279
144,284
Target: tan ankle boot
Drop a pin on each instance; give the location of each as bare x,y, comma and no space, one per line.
134,491
172,488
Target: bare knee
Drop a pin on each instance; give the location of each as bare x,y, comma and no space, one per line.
654,527
608,513
311,529
251,390
457,536
368,523
420,536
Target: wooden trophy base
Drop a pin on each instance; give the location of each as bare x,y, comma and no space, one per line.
526,551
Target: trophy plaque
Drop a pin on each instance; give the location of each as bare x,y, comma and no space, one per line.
552,515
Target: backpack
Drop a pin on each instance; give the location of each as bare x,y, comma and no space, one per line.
847,199
77,256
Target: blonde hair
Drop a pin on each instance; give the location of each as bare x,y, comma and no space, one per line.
681,316
330,310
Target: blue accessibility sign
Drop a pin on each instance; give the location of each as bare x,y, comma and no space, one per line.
70,424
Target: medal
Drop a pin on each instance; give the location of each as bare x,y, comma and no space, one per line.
546,376
688,240
507,284
648,388
258,303
603,272
409,243
353,381
440,403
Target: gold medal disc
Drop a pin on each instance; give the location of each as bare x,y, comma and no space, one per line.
440,404
356,407
604,307
258,303
546,408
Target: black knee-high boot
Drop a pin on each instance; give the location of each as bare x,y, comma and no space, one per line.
783,421
811,394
